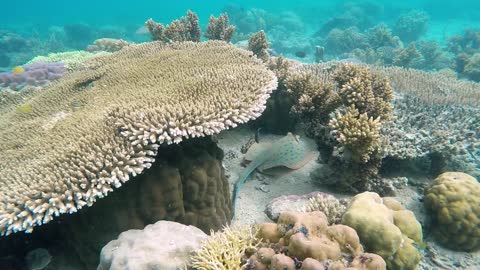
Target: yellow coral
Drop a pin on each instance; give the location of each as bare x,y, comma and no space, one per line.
453,200
224,250
387,232
356,133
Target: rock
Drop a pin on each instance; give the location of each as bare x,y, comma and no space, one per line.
164,245
287,203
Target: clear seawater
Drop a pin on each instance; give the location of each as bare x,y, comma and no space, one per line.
293,28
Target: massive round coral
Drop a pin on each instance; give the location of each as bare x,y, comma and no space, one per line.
91,131
453,200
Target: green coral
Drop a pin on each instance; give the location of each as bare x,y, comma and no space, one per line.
184,29
386,228
453,200
367,91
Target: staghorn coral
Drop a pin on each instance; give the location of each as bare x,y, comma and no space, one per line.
258,44
107,45
367,91
358,134
386,229
184,29
328,204
224,250
453,200
117,113
219,28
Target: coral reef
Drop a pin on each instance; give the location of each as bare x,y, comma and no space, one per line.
37,74
72,60
184,29
343,107
423,103
146,249
186,184
327,204
307,237
411,26
340,41
219,28
94,129
386,229
225,249
356,133
258,44
276,118
107,45
453,200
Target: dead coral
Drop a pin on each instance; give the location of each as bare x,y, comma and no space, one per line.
184,29
219,28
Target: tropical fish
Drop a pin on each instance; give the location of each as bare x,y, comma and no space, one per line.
301,54
25,108
285,152
18,70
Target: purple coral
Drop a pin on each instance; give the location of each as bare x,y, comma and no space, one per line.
36,74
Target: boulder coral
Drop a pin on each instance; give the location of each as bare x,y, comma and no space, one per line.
91,131
306,237
453,200
386,228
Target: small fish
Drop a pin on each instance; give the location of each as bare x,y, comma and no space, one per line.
25,108
18,70
301,54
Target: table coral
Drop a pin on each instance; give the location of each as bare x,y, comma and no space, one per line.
386,229
453,200
116,114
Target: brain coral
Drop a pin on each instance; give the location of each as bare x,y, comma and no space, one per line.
453,199
91,131
385,228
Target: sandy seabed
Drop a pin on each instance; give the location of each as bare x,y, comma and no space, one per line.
260,189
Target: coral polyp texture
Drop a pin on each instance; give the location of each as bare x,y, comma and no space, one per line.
305,238
94,129
184,29
386,228
35,75
453,201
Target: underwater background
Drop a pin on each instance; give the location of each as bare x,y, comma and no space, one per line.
299,135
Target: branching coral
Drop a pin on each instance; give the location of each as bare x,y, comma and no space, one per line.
184,29
358,134
368,92
225,250
115,114
329,205
219,28
412,25
258,44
